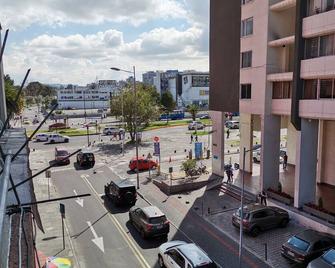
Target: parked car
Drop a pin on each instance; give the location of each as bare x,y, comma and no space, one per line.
256,155
206,116
307,245
61,154
57,126
121,192
149,221
327,260
41,137
257,218
195,125
113,131
90,124
143,164
176,254
232,124
85,158
54,138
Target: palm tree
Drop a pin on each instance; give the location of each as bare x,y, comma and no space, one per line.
193,109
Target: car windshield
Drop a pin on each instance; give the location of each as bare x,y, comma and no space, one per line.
62,153
88,155
207,265
329,257
298,243
157,220
245,214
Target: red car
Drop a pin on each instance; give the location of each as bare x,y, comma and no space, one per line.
143,164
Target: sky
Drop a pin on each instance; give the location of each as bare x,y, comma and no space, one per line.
77,41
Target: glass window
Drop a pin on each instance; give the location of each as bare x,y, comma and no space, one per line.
246,60
329,257
246,91
298,243
310,89
327,5
312,48
287,89
277,90
179,259
327,45
326,88
247,27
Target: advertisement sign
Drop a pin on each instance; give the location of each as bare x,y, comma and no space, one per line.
157,150
198,150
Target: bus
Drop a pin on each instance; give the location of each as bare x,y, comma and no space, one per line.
174,115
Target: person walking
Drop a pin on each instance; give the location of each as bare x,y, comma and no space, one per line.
285,157
263,197
228,133
191,138
196,138
228,176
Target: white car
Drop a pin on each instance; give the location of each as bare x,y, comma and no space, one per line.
53,138
176,254
113,130
41,137
195,125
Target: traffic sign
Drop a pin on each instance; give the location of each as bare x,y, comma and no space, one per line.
156,139
149,156
157,149
198,150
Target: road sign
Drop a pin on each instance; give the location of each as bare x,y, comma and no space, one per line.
149,156
156,139
198,150
157,150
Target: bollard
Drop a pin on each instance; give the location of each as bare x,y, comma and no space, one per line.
190,154
175,151
185,150
209,210
208,154
266,251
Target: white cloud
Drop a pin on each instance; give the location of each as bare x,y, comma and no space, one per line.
20,14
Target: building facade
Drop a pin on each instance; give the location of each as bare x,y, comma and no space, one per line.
148,78
92,96
286,77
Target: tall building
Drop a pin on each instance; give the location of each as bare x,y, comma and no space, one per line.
148,78
286,82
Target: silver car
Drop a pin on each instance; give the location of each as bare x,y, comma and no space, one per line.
327,260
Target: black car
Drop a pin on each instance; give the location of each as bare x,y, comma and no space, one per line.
149,221
85,158
121,192
307,245
327,260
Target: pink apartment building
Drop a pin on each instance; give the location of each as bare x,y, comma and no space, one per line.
286,80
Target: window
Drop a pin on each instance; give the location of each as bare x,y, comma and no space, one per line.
200,81
247,27
298,243
312,48
326,45
175,255
319,6
287,90
243,2
246,91
320,46
246,59
326,89
281,90
310,89
259,215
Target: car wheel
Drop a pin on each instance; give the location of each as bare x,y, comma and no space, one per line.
160,261
52,141
66,140
255,231
38,140
284,223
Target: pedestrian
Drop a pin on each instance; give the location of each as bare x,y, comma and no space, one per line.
228,133
231,175
263,197
119,135
285,161
191,138
228,176
196,138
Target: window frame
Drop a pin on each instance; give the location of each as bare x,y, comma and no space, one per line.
244,53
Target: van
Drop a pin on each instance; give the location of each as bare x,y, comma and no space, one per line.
60,156
121,192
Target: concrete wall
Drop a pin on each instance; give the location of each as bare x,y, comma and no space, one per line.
291,143
218,137
328,150
246,135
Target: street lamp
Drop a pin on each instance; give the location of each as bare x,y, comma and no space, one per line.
242,197
135,115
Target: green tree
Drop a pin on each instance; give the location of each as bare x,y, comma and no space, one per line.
38,89
147,109
167,101
11,92
193,109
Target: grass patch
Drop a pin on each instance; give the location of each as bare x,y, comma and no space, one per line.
66,132
199,133
173,123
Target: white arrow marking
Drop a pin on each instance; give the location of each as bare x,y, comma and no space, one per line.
79,201
99,241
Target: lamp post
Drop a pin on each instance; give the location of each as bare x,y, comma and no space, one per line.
242,204
135,115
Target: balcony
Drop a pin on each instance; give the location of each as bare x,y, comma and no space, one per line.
283,5
289,40
322,67
319,24
321,109
281,106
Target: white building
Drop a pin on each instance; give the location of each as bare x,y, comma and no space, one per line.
91,96
194,89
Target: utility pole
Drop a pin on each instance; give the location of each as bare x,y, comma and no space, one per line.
136,136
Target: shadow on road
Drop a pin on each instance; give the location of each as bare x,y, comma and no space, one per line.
79,167
88,227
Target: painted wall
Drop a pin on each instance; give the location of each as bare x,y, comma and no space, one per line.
291,143
328,151
218,137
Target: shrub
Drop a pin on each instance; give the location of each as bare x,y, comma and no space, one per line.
188,165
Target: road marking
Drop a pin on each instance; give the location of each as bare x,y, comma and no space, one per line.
79,201
118,226
99,241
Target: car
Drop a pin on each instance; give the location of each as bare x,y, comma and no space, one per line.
57,126
121,192
206,116
306,246
176,254
26,122
149,221
113,131
55,138
41,137
195,125
257,218
61,156
256,155
143,164
90,124
85,158
327,260
232,124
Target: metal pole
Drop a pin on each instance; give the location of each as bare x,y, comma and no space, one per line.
88,136
241,213
84,104
122,125
136,138
63,232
